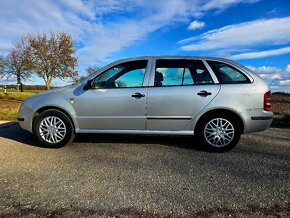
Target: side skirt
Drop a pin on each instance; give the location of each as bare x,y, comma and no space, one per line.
142,132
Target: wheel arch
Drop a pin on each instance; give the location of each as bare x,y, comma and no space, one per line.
42,109
226,112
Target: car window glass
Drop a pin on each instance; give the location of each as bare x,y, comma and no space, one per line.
226,73
171,76
187,80
173,73
132,78
201,73
126,75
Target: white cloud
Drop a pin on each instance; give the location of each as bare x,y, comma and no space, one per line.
274,31
196,25
261,54
222,4
285,82
288,68
267,72
277,78
266,69
270,76
96,33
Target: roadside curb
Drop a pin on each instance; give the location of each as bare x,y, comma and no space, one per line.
6,124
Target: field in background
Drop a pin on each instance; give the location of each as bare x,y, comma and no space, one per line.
281,109
10,103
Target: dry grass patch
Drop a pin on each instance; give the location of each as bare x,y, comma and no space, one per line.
10,103
20,96
9,109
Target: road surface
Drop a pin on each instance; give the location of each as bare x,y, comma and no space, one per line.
144,176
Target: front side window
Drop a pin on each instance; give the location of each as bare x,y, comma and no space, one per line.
181,73
226,73
126,75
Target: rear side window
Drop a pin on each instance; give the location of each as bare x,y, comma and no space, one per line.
227,73
202,75
181,73
173,73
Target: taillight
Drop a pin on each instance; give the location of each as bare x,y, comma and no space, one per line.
267,101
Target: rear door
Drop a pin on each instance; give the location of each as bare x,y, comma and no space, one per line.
181,90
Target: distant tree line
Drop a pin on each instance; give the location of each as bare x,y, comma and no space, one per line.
48,56
25,87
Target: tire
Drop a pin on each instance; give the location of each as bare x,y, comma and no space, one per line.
53,129
219,133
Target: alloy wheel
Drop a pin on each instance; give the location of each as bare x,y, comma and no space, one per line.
219,132
52,129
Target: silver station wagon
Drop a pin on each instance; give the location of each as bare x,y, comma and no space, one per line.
215,99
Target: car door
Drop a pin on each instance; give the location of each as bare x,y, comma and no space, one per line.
181,90
117,100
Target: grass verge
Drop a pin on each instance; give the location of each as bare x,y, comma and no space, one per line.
10,103
9,109
20,96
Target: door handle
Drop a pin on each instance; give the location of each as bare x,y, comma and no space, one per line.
204,93
138,95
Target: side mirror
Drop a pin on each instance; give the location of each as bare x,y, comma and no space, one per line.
89,84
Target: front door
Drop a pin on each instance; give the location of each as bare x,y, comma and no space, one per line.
182,89
117,100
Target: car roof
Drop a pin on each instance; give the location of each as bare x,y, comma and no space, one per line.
175,57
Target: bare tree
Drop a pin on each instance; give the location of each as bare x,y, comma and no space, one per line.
51,56
89,70
2,64
15,63
77,78
92,69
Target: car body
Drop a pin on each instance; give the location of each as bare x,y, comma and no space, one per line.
170,95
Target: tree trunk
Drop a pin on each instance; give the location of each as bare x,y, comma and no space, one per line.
47,83
21,87
19,82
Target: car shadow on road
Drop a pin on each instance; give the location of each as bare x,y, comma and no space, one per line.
14,132
185,142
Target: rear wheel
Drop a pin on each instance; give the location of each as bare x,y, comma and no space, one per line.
219,133
53,129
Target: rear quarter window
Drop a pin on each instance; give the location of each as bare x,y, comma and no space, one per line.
227,73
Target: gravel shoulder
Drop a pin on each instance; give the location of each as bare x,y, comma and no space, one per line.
144,176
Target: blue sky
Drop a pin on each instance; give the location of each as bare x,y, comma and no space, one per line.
255,33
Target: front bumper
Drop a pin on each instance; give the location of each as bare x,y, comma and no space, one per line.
25,117
256,120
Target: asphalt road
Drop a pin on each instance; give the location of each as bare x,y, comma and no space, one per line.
144,176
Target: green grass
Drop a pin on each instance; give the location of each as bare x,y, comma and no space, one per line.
14,90
20,96
10,114
9,109
10,103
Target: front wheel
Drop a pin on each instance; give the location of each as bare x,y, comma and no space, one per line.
53,129
219,133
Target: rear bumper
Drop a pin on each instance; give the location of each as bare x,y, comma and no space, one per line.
256,120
